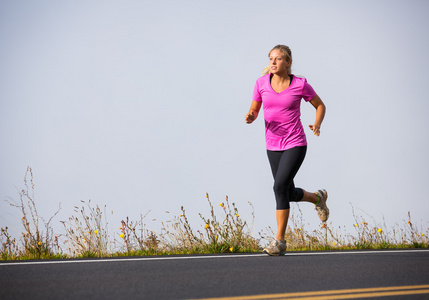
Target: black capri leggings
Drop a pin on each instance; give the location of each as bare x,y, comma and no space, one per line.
285,165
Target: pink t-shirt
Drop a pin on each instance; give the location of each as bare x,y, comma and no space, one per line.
283,128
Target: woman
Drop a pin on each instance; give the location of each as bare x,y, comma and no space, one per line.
281,92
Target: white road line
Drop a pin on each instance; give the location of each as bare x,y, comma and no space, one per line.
125,259
358,252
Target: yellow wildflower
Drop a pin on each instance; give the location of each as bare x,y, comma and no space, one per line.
334,243
237,215
380,230
423,234
95,231
122,235
355,225
39,243
231,249
323,225
221,204
207,226
364,223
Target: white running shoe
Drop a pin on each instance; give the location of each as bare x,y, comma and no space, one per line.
321,208
276,248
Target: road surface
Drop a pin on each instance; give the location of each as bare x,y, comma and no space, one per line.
327,275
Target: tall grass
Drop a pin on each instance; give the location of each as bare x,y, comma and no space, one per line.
37,238
225,233
88,233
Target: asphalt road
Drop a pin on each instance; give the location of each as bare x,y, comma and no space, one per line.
196,277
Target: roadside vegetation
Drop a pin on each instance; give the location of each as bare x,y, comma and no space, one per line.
86,233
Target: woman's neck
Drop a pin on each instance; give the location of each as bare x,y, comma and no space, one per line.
280,78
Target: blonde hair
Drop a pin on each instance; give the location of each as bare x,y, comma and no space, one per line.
287,55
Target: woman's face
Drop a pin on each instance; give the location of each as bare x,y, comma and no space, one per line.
278,64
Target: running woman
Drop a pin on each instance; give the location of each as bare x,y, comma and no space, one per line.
280,92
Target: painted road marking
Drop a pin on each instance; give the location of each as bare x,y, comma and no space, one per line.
340,294
106,260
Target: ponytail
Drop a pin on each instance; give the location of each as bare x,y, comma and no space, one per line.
266,70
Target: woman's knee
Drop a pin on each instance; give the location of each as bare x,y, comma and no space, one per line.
282,197
297,194
280,188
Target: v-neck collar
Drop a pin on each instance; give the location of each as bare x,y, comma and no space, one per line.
291,81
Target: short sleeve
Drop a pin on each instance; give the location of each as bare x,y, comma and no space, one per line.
256,93
308,92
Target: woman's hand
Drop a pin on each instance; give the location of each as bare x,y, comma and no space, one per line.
316,129
253,112
250,117
320,114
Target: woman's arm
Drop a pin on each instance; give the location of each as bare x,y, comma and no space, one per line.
253,112
320,114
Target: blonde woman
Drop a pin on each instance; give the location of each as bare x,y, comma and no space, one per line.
280,94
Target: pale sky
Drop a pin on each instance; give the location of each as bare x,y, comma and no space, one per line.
139,105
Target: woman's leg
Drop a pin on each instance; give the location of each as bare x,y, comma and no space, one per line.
284,166
282,216
309,197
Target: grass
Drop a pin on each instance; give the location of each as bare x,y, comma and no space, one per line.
86,233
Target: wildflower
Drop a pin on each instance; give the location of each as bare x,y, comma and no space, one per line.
237,215
323,225
334,243
380,230
409,222
221,204
39,243
355,225
364,223
95,231
207,226
84,240
122,235
423,234
231,249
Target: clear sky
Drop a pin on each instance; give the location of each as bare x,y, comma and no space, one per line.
139,105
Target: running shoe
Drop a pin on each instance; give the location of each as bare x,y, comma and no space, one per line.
276,248
321,208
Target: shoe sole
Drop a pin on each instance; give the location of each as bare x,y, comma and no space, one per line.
324,193
274,254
